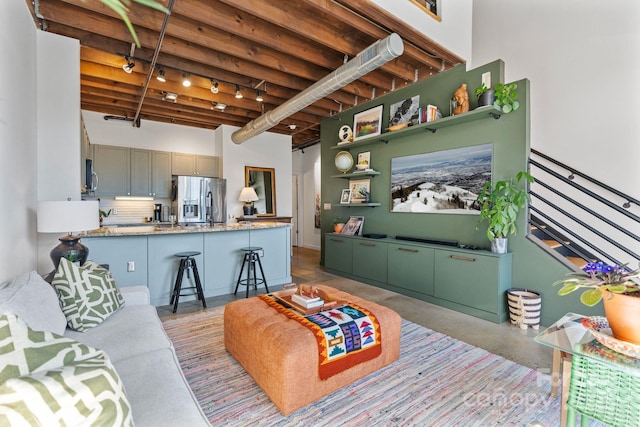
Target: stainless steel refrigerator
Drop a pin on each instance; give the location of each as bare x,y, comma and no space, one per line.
199,200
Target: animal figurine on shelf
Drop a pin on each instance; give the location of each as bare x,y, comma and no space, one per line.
461,100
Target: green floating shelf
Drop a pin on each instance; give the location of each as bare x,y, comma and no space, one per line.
356,174
367,205
470,116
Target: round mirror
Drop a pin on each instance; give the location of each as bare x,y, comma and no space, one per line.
344,161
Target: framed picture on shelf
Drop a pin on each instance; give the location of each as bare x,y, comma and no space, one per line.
405,111
360,190
345,198
354,226
364,161
367,123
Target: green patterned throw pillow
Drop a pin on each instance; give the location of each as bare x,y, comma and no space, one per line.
46,379
87,294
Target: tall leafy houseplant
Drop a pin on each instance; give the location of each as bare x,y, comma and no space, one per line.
121,7
499,206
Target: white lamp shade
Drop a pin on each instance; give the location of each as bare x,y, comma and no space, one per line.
67,216
248,194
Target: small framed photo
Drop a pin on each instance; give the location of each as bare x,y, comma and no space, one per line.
345,198
364,161
367,123
360,190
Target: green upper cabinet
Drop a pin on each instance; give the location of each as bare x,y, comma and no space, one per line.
132,172
193,164
112,166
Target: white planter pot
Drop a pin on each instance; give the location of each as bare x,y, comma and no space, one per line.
499,245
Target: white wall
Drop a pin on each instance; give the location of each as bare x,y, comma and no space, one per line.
149,136
453,32
269,150
58,117
582,59
18,242
307,167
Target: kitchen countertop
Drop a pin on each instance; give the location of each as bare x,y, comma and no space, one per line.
156,229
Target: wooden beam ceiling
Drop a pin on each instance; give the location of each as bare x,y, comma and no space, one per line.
279,47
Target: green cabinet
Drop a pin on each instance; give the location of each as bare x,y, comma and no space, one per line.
132,172
411,267
370,259
193,164
338,253
473,279
112,167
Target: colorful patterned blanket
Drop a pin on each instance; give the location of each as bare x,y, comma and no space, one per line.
346,335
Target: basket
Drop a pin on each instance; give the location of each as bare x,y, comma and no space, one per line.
604,393
524,308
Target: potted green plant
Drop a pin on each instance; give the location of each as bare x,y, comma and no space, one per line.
505,97
103,215
499,206
485,95
338,224
618,288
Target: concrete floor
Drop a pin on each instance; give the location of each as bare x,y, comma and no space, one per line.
503,339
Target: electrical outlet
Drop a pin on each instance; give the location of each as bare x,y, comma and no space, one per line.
114,211
131,266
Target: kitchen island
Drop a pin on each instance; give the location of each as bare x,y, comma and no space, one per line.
144,254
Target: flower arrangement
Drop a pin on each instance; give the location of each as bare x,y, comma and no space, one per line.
597,277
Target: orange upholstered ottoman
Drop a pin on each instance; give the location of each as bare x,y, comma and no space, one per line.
281,354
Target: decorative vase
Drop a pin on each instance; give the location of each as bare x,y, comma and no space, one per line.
487,98
499,245
337,228
623,312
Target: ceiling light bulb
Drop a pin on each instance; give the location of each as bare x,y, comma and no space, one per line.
160,76
128,67
185,80
214,87
259,97
238,93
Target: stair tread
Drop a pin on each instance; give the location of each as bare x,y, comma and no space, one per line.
553,243
580,262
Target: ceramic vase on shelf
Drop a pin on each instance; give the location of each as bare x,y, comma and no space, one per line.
623,312
499,245
337,228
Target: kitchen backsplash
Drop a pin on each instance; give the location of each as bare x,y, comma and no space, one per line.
130,211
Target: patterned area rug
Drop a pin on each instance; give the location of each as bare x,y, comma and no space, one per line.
438,381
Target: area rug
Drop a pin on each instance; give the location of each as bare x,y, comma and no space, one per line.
438,381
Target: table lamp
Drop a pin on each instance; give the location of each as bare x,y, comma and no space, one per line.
61,216
248,196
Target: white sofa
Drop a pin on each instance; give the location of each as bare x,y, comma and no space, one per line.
134,340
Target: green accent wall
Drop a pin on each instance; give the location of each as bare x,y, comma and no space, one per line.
533,267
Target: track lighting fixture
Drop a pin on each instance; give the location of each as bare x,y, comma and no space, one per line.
238,93
128,67
170,96
259,96
214,86
220,106
292,126
185,80
160,76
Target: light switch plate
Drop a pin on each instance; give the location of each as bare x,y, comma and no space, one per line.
327,206
486,79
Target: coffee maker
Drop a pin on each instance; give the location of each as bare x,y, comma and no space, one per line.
157,212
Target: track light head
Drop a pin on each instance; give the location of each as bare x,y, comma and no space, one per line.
238,93
214,86
185,80
259,97
292,126
160,76
220,106
128,67
170,96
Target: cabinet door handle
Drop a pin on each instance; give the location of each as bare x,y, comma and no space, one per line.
408,250
367,244
462,258
337,240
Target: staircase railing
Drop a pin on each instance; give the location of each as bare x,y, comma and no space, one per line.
587,218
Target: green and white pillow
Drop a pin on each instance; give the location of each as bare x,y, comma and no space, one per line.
47,379
87,294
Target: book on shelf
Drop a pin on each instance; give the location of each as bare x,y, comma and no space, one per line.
307,302
363,170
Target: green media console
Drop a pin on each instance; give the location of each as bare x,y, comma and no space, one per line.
470,281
